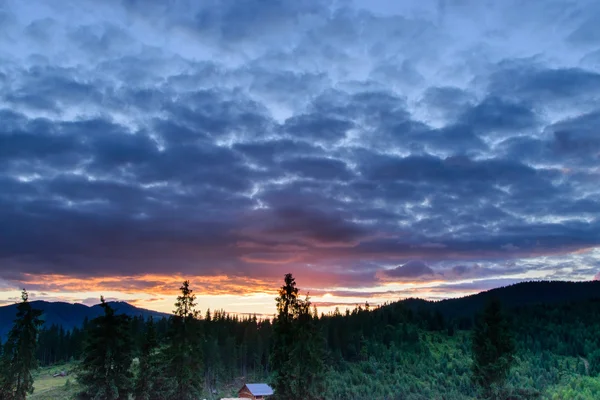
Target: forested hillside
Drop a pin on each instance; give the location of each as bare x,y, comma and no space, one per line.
404,350
462,310
68,315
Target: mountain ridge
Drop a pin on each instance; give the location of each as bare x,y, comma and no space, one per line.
522,294
70,315
518,295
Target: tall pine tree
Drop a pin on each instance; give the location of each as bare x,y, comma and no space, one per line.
149,371
283,339
493,349
105,371
297,347
308,354
19,353
183,354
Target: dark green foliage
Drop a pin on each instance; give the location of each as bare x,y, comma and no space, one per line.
182,357
308,355
569,329
493,349
402,350
105,371
524,294
18,354
149,368
576,388
297,358
283,339
57,345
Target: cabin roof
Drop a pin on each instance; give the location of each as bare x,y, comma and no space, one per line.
259,389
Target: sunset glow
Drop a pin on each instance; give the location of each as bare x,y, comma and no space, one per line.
377,150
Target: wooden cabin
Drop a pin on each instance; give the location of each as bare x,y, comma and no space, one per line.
255,391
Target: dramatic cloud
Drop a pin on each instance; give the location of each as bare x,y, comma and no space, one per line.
232,142
410,270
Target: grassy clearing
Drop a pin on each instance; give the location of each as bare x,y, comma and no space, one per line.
47,387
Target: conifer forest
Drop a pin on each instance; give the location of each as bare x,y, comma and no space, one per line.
410,349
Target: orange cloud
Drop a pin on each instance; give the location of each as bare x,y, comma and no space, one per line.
150,284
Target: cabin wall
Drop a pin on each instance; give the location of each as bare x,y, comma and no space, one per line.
245,394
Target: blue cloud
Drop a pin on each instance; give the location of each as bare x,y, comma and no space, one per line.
412,269
204,137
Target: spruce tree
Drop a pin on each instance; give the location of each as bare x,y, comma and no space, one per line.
149,371
307,354
19,353
493,349
183,355
281,362
297,347
105,369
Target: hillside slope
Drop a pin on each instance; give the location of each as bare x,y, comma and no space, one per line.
70,315
513,296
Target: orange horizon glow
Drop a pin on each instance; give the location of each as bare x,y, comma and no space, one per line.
235,295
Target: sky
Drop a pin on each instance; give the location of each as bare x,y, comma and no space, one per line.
377,150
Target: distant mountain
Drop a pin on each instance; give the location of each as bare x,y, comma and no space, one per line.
514,296
465,308
70,315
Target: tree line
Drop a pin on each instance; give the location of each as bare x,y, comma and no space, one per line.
302,354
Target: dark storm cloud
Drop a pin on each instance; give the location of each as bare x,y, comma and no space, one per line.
313,225
269,152
410,270
218,113
318,168
496,115
446,171
539,85
447,100
577,136
317,127
49,88
329,138
459,138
